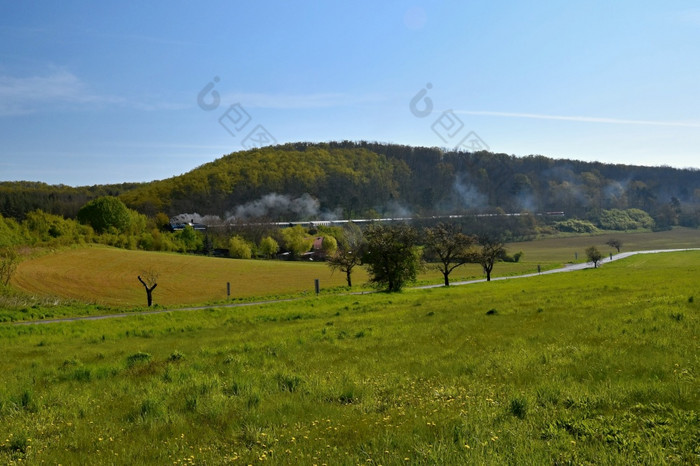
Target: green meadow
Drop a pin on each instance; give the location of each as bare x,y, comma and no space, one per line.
592,367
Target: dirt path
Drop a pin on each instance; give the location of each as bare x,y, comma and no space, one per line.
567,268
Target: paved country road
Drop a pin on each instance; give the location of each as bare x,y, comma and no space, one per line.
567,268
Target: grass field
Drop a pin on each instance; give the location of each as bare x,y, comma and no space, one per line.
591,367
107,276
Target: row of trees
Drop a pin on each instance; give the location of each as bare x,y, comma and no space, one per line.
393,254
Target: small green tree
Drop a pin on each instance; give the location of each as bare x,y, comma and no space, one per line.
268,247
238,248
190,238
594,255
392,257
329,246
296,240
104,213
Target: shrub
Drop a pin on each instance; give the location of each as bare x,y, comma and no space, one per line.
268,247
514,258
238,248
630,219
574,225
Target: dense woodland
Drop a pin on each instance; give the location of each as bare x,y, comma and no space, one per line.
305,181
356,180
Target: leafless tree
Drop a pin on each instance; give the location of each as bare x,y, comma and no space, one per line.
349,252
449,246
149,282
615,243
345,260
490,251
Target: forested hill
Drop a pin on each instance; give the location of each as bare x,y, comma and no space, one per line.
350,180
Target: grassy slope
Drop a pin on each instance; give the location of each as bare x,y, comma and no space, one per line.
594,366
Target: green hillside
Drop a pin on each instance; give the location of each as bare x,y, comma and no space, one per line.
299,181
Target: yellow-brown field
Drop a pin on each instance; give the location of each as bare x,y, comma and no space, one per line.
108,276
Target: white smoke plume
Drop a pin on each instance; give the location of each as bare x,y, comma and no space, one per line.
275,205
196,218
469,194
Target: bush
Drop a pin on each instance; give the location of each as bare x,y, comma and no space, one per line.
9,260
296,240
268,247
630,219
574,225
238,248
11,233
514,258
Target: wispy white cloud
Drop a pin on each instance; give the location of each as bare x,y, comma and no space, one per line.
585,119
60,87
22,95
299,101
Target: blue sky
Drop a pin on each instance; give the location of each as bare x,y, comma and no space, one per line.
108,92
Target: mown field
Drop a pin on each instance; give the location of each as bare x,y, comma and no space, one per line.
591,367
107,276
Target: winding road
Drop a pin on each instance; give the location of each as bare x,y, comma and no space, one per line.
567,268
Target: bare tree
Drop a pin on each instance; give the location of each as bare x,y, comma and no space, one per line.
594,255
349,252
9,259
149,282
491,250
345,260
615,243
449,246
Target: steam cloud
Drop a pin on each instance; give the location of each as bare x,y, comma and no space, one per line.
468,193
196,218
275,205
